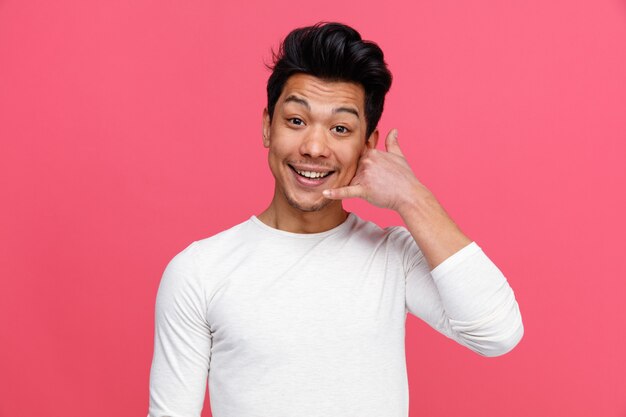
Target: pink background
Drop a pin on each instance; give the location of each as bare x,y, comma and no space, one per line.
129,129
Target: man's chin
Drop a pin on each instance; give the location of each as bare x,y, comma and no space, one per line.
308,207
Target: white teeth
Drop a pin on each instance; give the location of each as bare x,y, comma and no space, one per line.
312,174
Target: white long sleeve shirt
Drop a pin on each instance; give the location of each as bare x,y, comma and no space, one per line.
285,324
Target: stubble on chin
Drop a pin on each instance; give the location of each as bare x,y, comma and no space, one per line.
317,207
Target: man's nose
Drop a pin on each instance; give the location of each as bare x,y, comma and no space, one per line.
315,143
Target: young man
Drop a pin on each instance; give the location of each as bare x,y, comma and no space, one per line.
300,311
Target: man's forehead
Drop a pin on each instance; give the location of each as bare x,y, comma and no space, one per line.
306,89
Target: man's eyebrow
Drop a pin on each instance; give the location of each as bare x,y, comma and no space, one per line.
295,99
298,100
350,110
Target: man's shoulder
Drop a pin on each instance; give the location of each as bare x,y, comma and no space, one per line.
233,232
222,242
212,252
369,228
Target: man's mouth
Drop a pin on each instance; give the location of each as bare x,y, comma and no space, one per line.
311,174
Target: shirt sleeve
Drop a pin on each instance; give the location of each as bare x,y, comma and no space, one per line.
182,342
466,297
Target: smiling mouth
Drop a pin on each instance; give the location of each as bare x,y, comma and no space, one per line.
312,175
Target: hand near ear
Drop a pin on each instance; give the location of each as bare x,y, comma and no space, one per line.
384,179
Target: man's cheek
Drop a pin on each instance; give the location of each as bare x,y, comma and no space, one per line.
351,175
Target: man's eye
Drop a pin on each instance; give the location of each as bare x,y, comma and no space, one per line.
341,129
296,121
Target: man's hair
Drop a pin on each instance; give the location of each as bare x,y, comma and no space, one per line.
332,52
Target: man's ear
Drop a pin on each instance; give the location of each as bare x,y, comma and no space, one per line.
266,128
372,140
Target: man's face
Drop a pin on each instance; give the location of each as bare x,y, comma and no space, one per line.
315,139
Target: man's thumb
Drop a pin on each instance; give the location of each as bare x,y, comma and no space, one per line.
391,143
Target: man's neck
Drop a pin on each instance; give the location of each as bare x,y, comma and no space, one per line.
290,219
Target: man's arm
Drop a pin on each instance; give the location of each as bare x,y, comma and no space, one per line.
452,285
182,342
466,297
433,230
